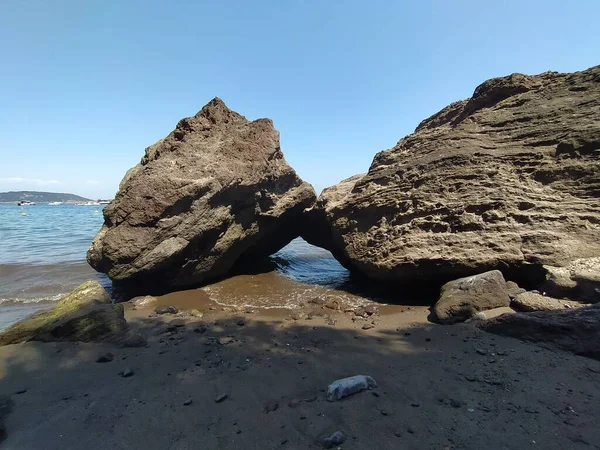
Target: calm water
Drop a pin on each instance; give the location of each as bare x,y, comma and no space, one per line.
42,256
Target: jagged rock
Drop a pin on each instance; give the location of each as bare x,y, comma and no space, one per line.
463,298
508,179
86,314
574,330
530,301
578,280
215,191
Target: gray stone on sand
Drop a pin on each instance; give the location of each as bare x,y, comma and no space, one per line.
334,439
349,386
463,298
169,309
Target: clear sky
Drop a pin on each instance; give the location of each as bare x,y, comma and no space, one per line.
86,85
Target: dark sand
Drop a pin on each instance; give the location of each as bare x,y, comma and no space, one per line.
440,387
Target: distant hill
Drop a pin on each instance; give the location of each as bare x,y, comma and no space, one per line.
39,197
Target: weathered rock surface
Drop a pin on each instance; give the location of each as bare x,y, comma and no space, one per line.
508,179
530,301
214,191
573,330
463,298
86,314
580,279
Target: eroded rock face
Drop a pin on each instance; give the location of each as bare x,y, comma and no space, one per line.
215,190
85,315
463,298
508,179
574,330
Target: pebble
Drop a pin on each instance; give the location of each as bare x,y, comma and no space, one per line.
384,412
367,326
415,404
221,397
166,310
241,323
481,351
126,373
200,329
225,340
334,439
293,403
107,357
21,391
187,402
270,406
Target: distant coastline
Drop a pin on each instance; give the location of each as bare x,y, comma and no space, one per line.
40,197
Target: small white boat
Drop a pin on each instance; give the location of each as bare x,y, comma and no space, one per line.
25,203
55,203
103,202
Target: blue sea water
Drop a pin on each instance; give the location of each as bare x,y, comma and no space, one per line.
43,248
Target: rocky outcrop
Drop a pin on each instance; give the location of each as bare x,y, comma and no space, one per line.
580,280
573,330
214,192
463,298
531,301
85,315
508,179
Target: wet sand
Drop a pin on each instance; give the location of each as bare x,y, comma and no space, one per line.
440,387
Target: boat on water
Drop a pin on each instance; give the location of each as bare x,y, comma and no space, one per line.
25,203
103,202
55,203
88,204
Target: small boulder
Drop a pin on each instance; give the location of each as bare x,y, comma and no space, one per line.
349,386
530,301
86,315
463,298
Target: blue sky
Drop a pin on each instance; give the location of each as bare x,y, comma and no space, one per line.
85,86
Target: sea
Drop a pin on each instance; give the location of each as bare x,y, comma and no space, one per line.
42,257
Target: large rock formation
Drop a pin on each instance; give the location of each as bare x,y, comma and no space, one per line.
214,191
508,179
85,315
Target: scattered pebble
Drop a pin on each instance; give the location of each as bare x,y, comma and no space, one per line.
241,323
21,391
187,402
126,373
481,351
107,357
221,397
415,404
334,439
270,406
367,326
166,310
383,412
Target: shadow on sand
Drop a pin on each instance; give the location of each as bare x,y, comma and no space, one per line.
439,387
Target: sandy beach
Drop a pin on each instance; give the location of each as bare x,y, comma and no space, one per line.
256,379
